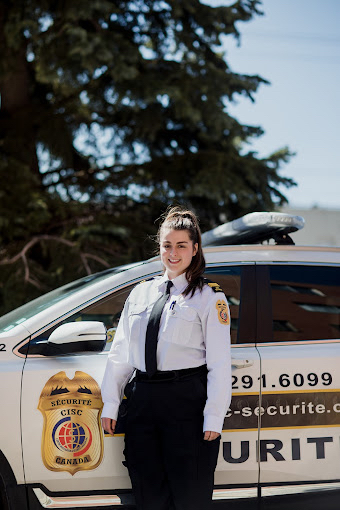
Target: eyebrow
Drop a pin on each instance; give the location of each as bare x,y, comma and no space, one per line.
178,242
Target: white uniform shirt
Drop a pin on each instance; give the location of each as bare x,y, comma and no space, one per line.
193,331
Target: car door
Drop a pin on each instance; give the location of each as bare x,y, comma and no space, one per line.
64,449
236,476
300,385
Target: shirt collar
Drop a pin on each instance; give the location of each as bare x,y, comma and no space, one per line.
180,282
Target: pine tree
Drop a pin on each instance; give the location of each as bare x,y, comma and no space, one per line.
111,110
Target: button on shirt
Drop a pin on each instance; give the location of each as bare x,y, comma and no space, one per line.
193,332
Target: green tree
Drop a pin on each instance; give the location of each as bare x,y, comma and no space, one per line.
109,111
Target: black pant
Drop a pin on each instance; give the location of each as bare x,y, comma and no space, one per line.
170,465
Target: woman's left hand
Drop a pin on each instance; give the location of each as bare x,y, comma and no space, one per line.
209,435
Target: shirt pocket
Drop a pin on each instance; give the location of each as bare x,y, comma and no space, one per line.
186,325
137,320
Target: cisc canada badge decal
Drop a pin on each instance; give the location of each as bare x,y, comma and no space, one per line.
72,438
222,312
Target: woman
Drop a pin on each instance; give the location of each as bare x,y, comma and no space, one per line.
175,333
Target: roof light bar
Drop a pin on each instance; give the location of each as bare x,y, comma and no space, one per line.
254,228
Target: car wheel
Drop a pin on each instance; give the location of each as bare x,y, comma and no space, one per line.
4,505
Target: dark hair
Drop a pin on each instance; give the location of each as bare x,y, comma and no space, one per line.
178,218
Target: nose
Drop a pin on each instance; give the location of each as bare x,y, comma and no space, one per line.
173,251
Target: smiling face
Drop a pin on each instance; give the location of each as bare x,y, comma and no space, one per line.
177,250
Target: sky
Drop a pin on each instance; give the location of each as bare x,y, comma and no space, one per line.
296,46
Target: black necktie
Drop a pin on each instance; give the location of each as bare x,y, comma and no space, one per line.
152,332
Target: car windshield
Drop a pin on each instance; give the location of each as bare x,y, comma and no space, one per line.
24,312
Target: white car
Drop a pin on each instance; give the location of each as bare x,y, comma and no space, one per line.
280,441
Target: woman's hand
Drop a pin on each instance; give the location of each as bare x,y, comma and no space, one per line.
209,435
109,425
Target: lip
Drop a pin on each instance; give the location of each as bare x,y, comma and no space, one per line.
173,261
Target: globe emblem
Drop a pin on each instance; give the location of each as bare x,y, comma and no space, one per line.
69,436
224,316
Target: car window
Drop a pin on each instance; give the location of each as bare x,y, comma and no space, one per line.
305,302
229,279
24,312
108,309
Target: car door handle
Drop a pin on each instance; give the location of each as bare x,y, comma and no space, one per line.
242,363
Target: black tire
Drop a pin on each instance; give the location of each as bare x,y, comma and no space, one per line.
3,497
12,495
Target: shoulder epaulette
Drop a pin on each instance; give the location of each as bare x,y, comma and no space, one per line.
214,286
146,280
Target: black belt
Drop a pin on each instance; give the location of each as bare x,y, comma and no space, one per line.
170,375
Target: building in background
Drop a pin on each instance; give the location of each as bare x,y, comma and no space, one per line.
322,226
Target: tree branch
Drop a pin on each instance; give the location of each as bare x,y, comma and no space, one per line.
31,243
37,239
98,259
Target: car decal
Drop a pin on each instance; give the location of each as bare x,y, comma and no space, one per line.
72,438
284,410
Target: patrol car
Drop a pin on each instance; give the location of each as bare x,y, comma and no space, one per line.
281,437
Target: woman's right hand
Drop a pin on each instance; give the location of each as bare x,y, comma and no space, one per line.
109,425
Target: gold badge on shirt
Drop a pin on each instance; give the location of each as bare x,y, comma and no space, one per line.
222,312
72,438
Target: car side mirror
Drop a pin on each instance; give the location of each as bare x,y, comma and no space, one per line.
73,338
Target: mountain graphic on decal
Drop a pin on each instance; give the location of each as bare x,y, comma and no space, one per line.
59,391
